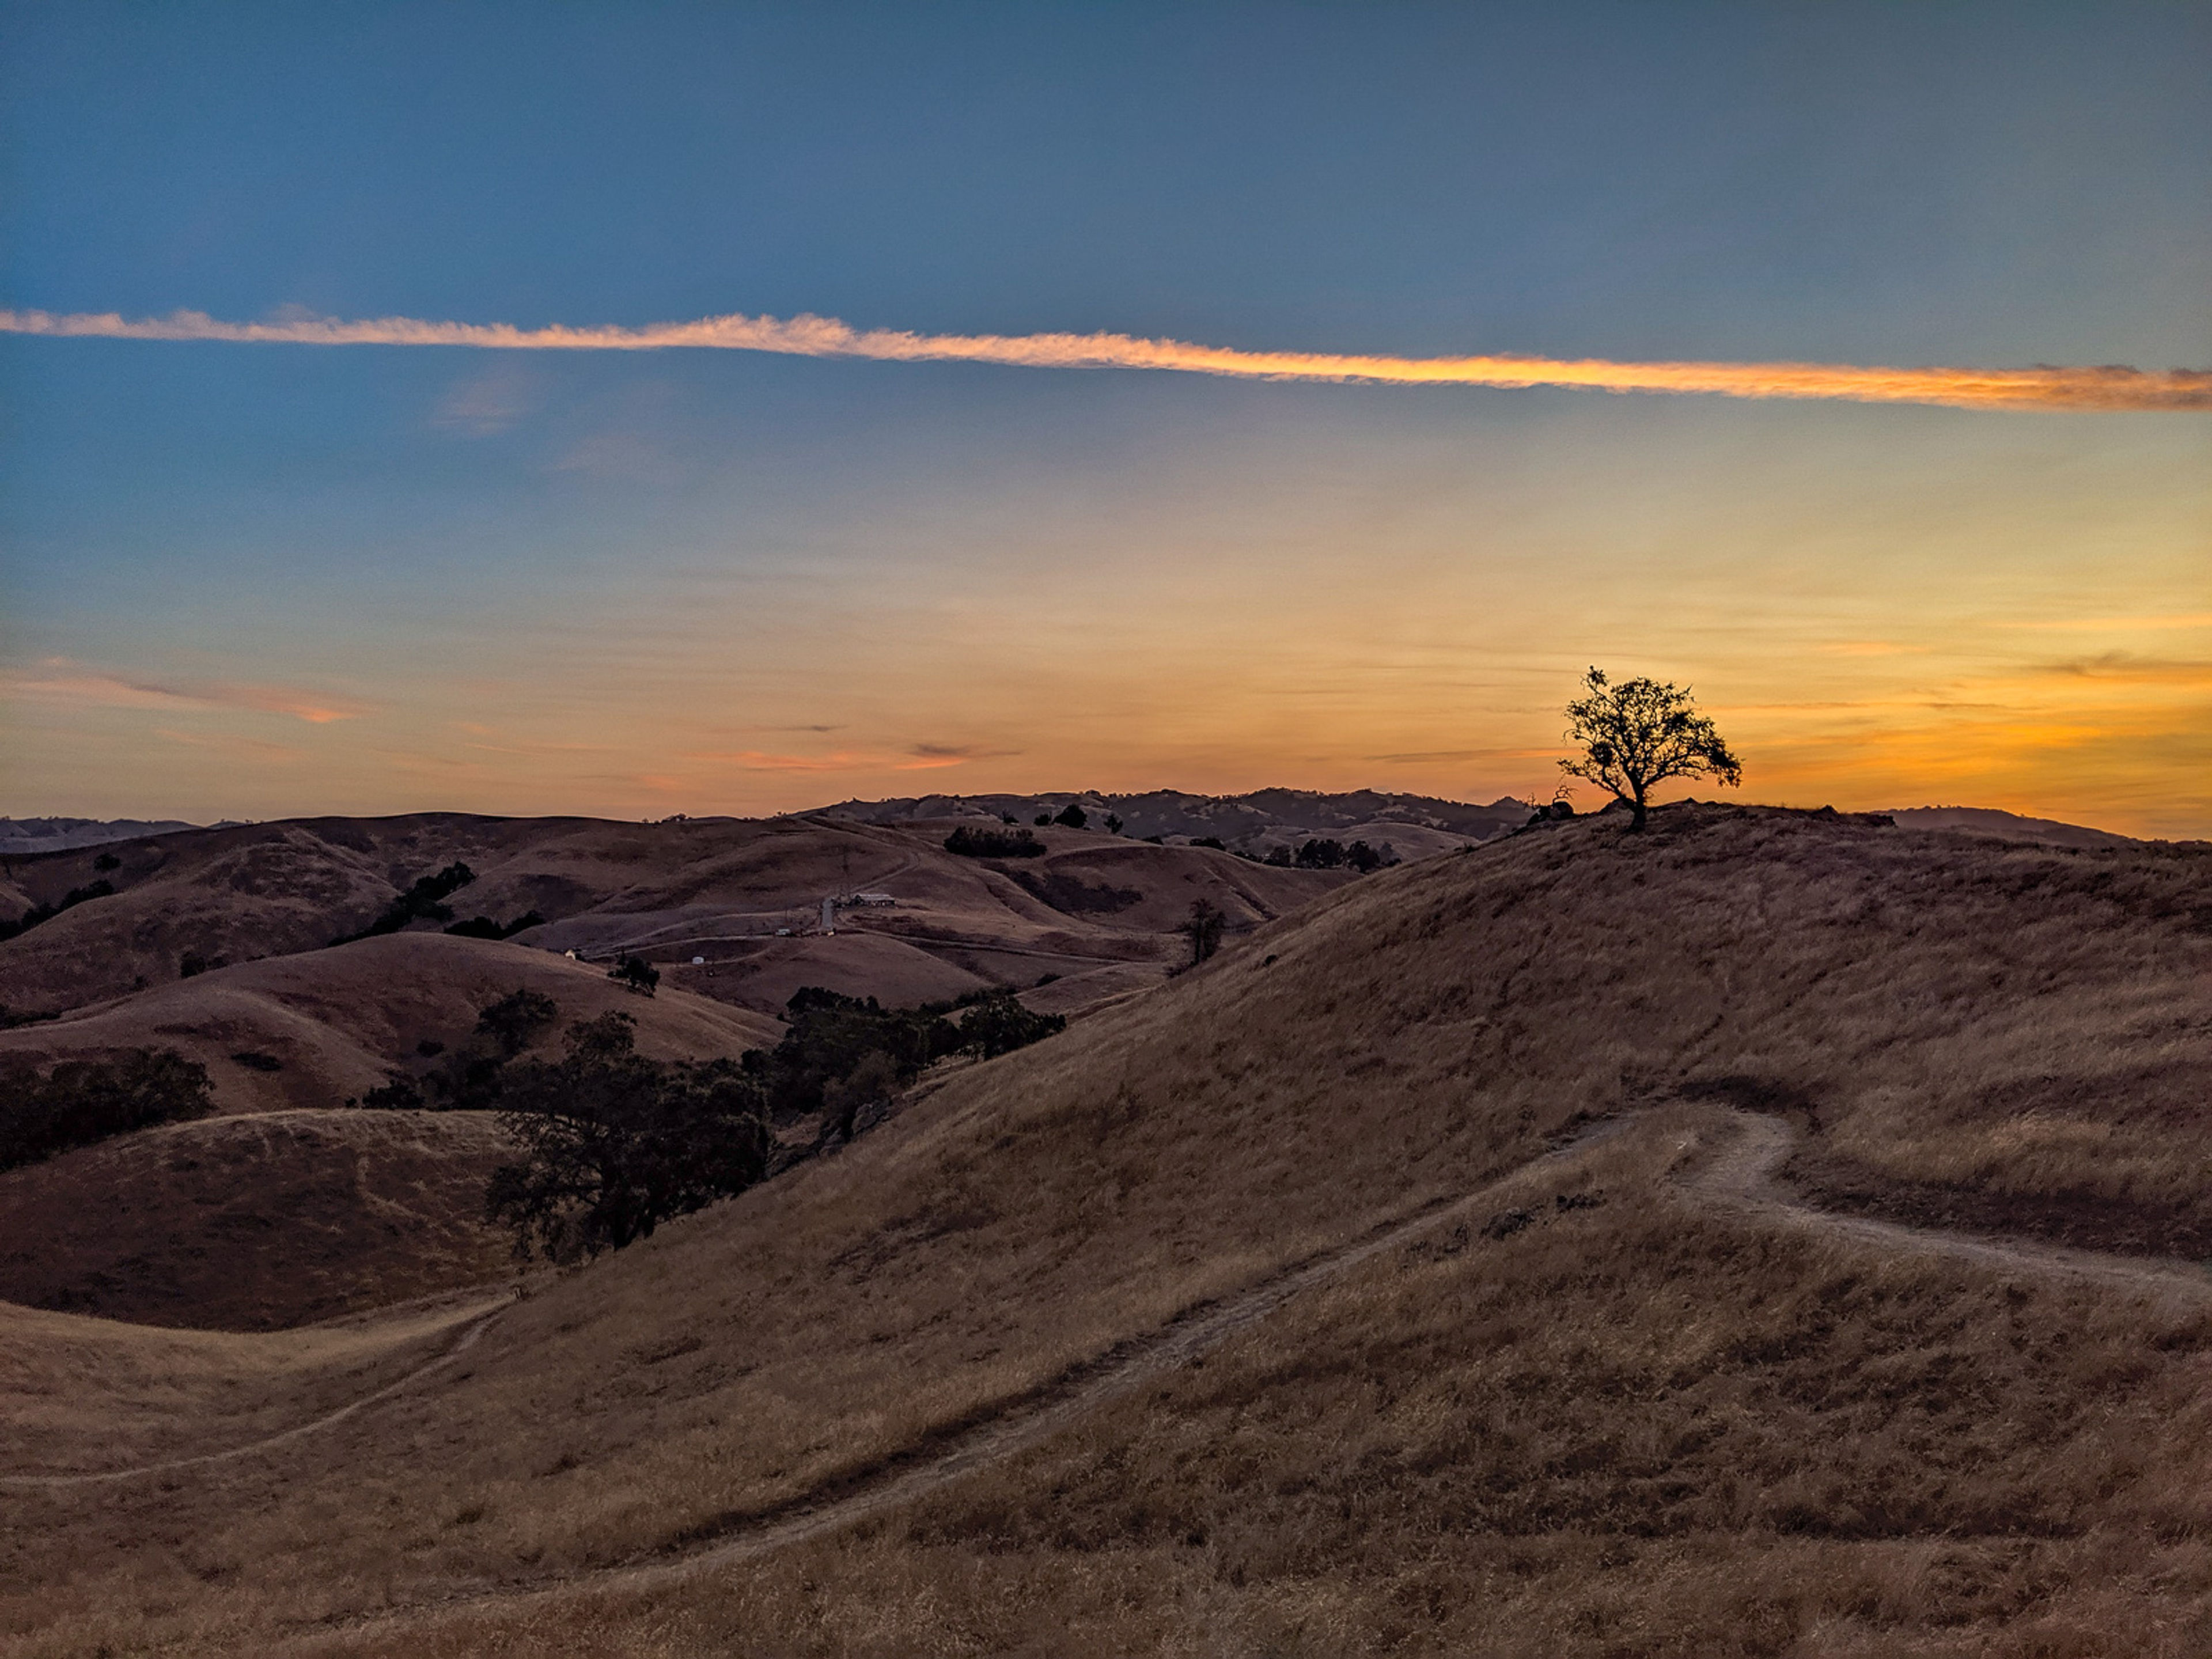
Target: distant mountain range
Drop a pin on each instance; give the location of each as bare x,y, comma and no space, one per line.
1415,825
20,835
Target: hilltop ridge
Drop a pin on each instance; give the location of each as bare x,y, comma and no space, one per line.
1417,826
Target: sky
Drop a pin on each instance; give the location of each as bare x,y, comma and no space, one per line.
245,572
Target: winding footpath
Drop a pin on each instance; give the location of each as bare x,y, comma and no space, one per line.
470,1323
1737,1178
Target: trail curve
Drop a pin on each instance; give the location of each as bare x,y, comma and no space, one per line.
472,1322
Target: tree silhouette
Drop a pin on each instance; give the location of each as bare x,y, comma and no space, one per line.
1202,928
635,974
1638,733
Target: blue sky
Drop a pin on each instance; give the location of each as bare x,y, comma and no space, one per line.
260,579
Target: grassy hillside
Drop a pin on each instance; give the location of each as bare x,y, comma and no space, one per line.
336,1021
1638,1423
256,1223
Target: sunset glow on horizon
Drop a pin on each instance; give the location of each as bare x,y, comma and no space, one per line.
764,559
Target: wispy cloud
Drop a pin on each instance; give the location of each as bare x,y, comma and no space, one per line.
260,749
2126,667
923,757
2171,620
485,404
951,753
2039,387
66,682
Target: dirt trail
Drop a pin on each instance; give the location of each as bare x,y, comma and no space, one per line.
1741,1178
471,1322
1738,1177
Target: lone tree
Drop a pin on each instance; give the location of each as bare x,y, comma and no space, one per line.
1202,928
1638,734
635,974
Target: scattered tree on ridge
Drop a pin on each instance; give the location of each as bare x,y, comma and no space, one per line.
1638,733
1073,817
635,974
993,843
999,1025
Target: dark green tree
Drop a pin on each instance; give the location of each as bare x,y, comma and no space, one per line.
999,1025
1202,928
1636,735
81,1101
614,1144
515,1018
635,974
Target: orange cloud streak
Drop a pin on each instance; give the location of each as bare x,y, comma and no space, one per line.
2042,387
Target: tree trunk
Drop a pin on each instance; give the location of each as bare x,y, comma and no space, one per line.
1636,813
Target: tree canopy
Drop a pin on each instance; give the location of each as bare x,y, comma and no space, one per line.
614,1144
1635,735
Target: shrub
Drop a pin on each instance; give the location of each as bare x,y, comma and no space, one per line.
993,843
830,1035
191,964
1214,841
81,1101
635,974
485,927
871,1083
397,1093
614,1144
107,861
423,901
44,912
1322,855
999,1025
1113,824
515,1018
254,1060
1073,817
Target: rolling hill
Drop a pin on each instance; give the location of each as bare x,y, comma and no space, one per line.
322,1026
721,888
1415,826
256,1221
1403,1280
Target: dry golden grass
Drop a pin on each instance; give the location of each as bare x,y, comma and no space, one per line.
256,1223
1631,1427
